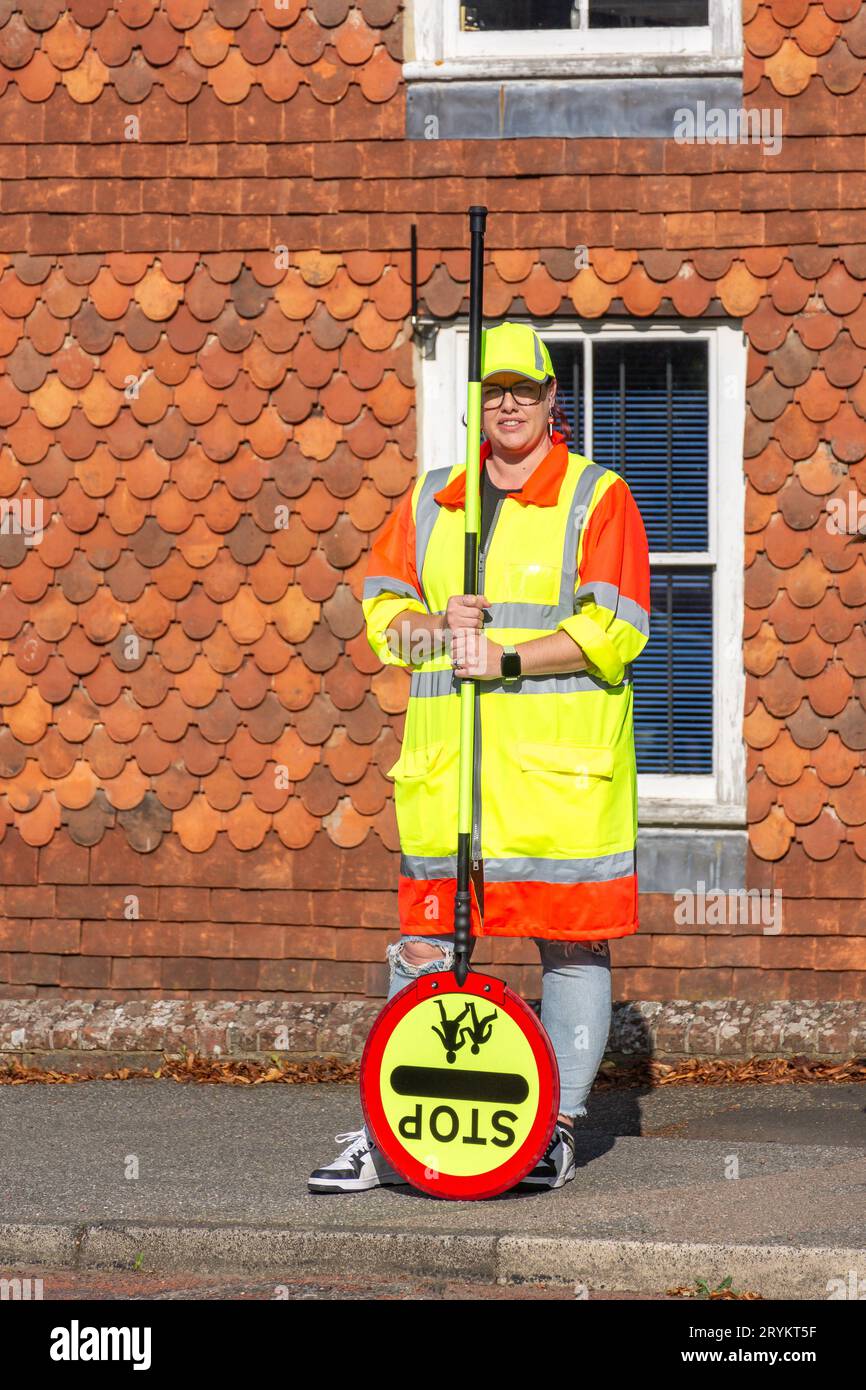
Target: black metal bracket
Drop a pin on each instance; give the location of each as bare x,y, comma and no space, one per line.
424,330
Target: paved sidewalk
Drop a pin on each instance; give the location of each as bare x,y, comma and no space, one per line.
222,1185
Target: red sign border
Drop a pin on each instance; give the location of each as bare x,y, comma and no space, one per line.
518,1164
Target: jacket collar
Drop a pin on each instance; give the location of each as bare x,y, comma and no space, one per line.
541,487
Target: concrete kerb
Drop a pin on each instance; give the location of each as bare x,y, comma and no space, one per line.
774,1271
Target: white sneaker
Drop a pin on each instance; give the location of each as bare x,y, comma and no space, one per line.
556,1167
360,1166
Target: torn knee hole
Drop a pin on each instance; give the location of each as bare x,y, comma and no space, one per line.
414,957
420,953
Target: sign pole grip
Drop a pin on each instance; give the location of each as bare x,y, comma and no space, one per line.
468,687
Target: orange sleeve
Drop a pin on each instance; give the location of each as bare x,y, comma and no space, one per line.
391,584
391,567
612,593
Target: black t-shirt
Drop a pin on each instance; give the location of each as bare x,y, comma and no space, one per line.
490,495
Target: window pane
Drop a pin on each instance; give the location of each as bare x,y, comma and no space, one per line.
673,677
645,14
651,424
567,362
519,14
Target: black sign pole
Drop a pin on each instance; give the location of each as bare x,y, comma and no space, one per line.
462,910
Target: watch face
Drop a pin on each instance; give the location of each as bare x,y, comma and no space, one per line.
510,666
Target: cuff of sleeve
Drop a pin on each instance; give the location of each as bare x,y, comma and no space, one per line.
378,613
602,657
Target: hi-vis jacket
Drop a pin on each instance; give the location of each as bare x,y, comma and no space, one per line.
556,785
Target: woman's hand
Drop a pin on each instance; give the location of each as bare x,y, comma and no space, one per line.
465,612
473,654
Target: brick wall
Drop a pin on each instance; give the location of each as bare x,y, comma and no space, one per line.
261,384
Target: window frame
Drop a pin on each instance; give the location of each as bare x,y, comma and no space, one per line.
438,50
664,799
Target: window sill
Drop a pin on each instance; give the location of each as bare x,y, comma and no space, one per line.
681,813
494,69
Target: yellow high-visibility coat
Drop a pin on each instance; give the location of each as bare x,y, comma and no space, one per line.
555,824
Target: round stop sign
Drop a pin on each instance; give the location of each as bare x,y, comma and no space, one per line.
459,1087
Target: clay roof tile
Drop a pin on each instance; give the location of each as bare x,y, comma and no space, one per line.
771,837
817,32
840,68
822,838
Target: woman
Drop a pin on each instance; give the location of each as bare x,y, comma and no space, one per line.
562,612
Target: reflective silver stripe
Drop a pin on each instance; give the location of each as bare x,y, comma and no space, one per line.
632,613
599,870
551,685
604,594
427,683
539,615
424,684
609,596
577,511
382,584
595,870
428,866
426,513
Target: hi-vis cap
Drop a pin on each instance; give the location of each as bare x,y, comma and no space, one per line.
514,347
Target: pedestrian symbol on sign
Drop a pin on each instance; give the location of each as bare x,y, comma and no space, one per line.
453,1038
481,1030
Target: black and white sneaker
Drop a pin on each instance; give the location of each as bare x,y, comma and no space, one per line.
360,1166
556,1167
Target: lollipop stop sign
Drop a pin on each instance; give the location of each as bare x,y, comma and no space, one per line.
459,1086
459,1082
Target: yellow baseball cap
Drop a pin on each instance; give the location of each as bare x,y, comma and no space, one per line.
514,347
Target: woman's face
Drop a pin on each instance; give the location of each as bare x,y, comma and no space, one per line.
513,426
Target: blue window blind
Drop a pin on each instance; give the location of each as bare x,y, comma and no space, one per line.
673,676
650,422
650,404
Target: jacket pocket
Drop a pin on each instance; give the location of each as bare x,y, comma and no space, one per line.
578,760
532,583
425,799
568,792
414,764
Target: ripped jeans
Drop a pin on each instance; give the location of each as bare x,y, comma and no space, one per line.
575,1004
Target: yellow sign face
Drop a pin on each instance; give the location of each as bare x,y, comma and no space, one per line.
459,1084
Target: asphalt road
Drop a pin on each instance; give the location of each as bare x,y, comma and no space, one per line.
765,1183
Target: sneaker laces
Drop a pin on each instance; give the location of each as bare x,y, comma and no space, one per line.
355,1138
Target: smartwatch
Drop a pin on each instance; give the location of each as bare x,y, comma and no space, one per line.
510,664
